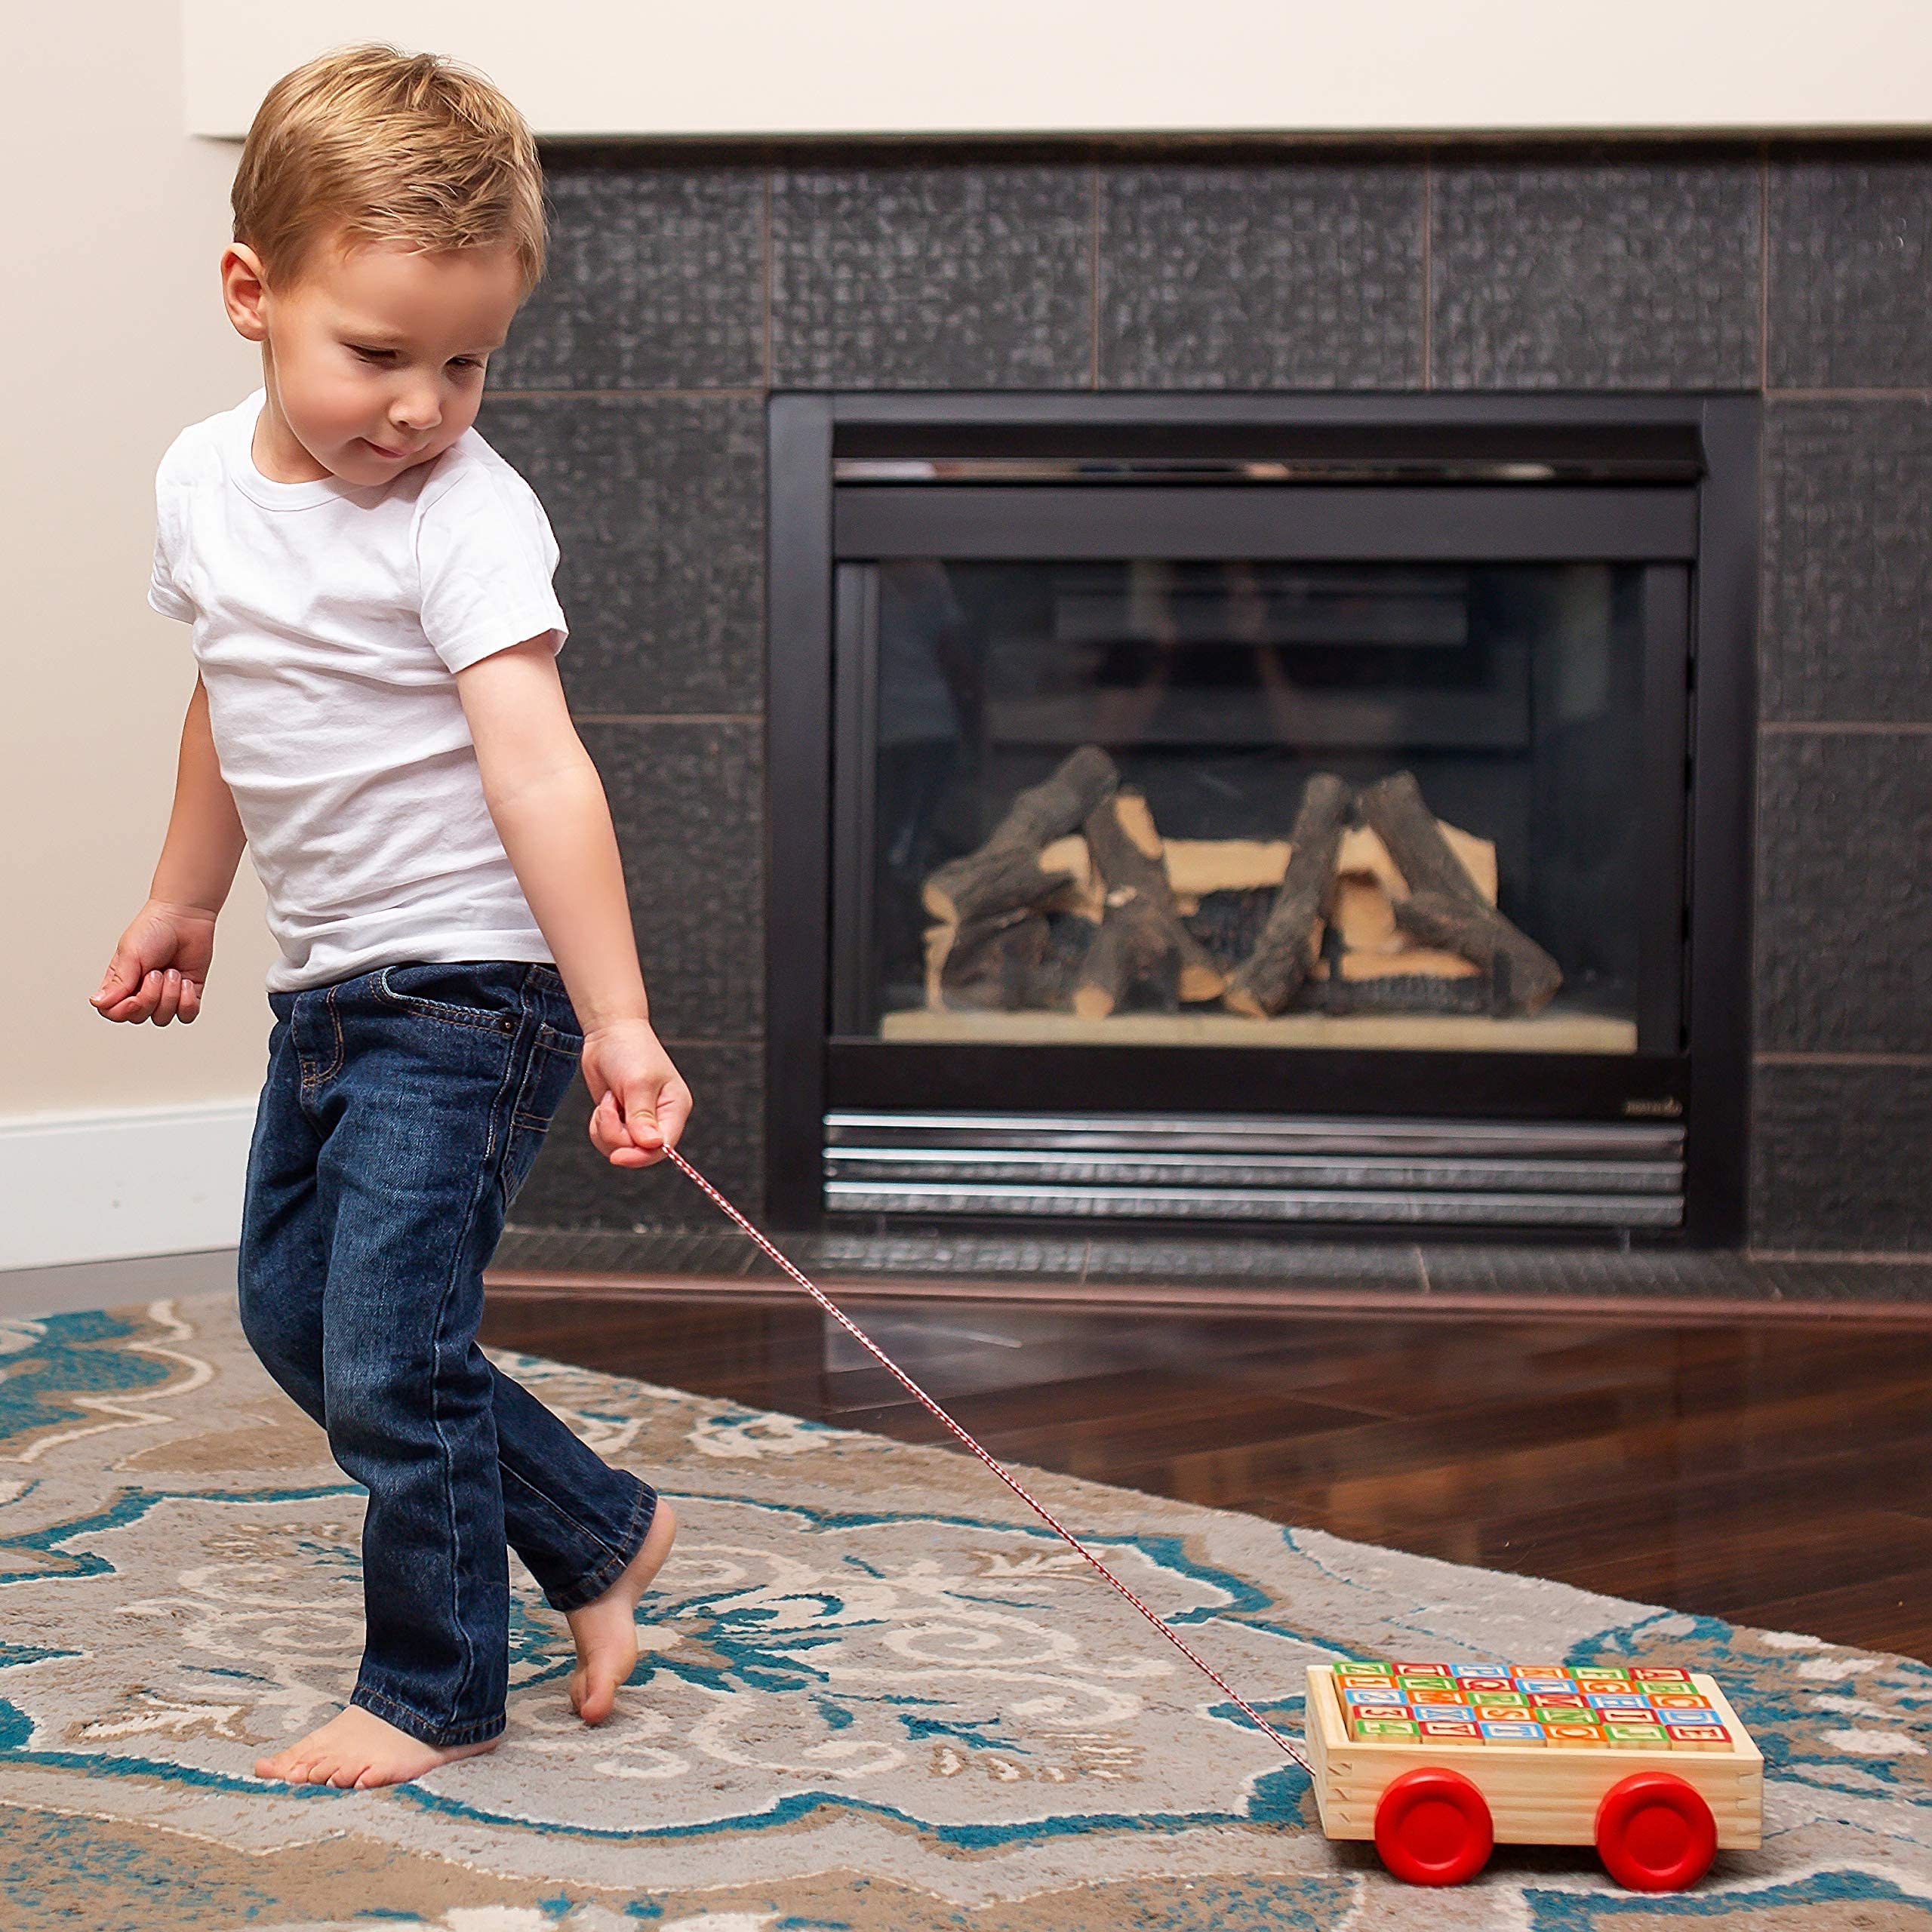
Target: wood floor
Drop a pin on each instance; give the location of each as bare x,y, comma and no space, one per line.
1774,1471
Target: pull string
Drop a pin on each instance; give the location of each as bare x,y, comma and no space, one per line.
1292,1749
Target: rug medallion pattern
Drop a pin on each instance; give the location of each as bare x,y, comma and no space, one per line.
875,1692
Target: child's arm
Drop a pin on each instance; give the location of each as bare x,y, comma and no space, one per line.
548,804
160,965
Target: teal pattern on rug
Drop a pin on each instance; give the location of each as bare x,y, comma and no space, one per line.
875,1692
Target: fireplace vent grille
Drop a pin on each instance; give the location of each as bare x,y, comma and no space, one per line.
1254,1168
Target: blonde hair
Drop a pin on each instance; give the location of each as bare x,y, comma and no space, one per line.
384,146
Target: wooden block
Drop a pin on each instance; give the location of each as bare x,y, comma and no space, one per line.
1364,1667
1450,1732
1368,1729
1574,1736
1479,1670
1554,1686
1686,1700
1426,1714
1559,1700
1543,1670
1618,1700
1379,1695
1697,1736
1409,1667
1634,1737
1659,1674
1505,1731
1426,1687
1474,1683
1489,1713
1601,1670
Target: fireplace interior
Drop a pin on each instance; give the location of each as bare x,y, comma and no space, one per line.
1262,810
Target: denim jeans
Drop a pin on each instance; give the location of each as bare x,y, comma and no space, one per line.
402,1110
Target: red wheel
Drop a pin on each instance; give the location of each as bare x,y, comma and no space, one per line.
1432,1828
1655,1833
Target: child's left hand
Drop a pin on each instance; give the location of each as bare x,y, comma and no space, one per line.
642,1101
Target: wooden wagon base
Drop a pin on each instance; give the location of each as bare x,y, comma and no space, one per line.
1656,1815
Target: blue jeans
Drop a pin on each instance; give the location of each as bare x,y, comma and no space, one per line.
402,1110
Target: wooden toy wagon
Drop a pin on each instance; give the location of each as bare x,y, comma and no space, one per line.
1438,1762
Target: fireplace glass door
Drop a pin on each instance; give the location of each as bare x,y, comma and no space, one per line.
1251,801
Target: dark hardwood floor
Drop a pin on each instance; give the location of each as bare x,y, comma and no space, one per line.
1770,1471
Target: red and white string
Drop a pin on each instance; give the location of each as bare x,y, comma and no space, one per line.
1293,1750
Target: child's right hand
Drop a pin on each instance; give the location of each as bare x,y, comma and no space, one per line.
160,966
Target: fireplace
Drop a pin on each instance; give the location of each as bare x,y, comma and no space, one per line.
1261,811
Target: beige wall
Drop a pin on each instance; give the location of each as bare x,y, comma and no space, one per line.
965,66
114,338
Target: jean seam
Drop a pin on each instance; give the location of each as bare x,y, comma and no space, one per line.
390,1710
444,1012
485,1178
582,1529
635,1531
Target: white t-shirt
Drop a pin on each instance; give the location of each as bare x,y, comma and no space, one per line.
330,619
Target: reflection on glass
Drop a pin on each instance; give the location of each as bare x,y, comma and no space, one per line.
1512,693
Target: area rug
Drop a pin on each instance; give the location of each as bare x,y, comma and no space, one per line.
877,1695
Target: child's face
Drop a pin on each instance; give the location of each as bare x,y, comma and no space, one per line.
374,361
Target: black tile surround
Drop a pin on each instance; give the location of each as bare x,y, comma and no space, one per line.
686,284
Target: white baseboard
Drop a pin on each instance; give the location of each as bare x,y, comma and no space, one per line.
109,1186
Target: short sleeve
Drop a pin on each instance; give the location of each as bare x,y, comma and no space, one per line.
485,555
165,591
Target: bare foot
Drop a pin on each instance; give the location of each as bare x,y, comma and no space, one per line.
606,1627
356,1750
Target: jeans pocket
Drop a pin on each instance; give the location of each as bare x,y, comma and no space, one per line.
434,988
553,1065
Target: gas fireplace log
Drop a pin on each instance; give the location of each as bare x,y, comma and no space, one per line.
1444,907
1005,874
1272,973
993,965
1524,977
1128,855
1133,948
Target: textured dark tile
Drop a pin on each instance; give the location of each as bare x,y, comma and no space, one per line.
965,1256
1839,1158
1261,276
1844,920
1462,1269
1851,301
1586,273
1203,1260
1669,1274
695,1252
1479,1270
658,505
687,801
1839,1280
572,1186
1847,631
655,279
956,274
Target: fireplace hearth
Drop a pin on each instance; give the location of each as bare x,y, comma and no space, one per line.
1265,810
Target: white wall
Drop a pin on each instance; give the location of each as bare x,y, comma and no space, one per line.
113,1139
750,67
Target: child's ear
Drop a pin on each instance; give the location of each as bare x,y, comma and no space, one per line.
243,286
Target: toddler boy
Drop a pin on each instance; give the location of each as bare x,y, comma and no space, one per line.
377,716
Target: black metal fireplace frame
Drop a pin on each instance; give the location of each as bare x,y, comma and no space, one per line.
1492,457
